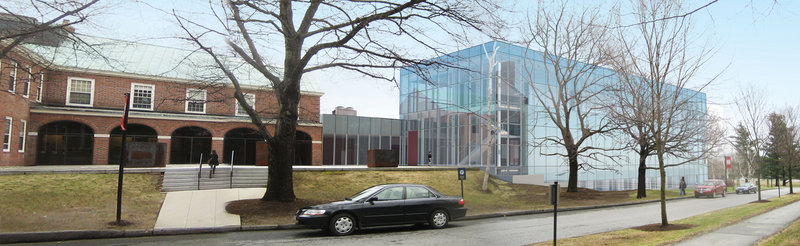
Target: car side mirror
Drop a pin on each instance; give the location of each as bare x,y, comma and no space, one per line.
372,200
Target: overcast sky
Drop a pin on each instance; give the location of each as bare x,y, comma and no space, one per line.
756,44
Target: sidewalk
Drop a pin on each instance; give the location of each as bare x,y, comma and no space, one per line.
750,231
202,209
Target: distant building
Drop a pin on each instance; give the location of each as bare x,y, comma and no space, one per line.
344,111
62,100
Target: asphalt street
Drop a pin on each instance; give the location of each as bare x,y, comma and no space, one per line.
513,230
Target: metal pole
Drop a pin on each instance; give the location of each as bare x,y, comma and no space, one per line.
200,171
122,160
462,188
230,182
555,216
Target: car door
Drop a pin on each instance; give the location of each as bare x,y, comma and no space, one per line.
420,202
384,208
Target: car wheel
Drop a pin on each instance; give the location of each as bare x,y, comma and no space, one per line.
439,219
737,192
342,224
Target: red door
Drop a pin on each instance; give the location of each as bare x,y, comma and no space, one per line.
412,148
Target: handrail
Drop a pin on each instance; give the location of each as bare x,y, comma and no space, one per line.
200,171
230,183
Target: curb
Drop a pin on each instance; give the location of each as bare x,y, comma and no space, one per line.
47,236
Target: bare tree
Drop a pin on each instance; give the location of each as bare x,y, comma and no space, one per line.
751,105
20,28
571,45
283,40
664,59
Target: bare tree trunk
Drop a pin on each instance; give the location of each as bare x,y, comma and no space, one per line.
641,192
663,173
572,154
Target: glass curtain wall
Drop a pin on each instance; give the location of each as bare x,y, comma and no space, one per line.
451,113
466,116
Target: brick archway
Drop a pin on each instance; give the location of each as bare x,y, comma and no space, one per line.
65,143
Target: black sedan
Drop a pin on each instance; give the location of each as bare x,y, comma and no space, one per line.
389,204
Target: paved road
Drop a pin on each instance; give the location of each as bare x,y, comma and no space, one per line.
515,230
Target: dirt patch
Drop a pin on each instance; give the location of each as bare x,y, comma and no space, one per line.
267,212
658,227
760,201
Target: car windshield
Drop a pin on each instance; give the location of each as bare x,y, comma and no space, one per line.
745,185
364,194
708,183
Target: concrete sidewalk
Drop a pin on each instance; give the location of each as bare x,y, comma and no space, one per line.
750,231
202,208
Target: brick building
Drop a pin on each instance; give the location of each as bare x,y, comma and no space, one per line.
62,101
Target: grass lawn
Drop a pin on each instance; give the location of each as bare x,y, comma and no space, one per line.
51,202
320,187
691,226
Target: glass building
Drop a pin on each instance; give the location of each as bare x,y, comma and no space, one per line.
482,113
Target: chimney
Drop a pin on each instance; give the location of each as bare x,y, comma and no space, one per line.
67,26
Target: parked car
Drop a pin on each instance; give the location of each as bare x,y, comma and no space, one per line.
389,204
711,187
746,188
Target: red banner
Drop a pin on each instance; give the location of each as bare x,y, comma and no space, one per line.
728,162
124,120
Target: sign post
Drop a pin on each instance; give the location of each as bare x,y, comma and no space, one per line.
123,127
727,166
462,175
554,189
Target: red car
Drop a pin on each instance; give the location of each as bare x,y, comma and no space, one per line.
711,187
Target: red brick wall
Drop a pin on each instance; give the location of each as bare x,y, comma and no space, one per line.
169,96
108,94
16,105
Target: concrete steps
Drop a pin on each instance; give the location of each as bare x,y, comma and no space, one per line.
180,179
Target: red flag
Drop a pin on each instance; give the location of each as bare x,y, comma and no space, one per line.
728,162
125,113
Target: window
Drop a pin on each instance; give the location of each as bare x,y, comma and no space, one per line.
39,87
80,92
27,86
142,96
195,101
7,135
22,129
417,192
394,193
12,77
251,99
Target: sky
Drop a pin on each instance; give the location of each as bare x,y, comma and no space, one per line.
755,45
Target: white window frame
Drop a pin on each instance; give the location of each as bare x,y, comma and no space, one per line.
189,92
69,90
12,78
22,136
26,89
152,96
7,134
246,97
39,87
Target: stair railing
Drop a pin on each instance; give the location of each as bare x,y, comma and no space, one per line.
200,171
230,183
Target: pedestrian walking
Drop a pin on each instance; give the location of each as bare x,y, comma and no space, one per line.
430,158
213,162
683,187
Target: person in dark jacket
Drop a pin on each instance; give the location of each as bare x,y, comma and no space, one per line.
683,187
213,162
430,158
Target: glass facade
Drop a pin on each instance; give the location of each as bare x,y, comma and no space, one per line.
481,113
